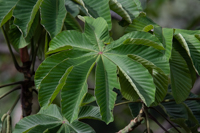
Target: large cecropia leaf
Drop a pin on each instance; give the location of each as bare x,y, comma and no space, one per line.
141,23
72,8
53,14
106,80
6,10
71,23
50,119
181,113
194,106
133,7
177,46
99,8
89,112
16,38
67,71
24,19
181,82
127,89
190,42
139,38
137,76
165,35
117,7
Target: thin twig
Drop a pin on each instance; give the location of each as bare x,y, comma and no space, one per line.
171,100
10,49
165,119
154,119
15,83
126,102
14,89
35,91
13,106
147,118
33,61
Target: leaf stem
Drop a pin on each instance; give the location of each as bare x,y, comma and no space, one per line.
126,102
33,61
14,89
166,119
15,83
171,100
10,49
11,109
147,118
35,91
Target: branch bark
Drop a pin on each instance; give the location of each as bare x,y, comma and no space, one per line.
134,123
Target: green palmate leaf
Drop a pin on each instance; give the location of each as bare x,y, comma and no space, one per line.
194,107
47,65
140,24
190,32
51,84
181,82
24,20
71,23
174,110
34,30
117,7
167,41
173,130
98,35
16,38
160,79
53,14
88,99
135,108
80,2
99,8
73,93
148,56
6,10
161,83
192,45
137,76
106,80
50,119
69,39
68,70
192,121
133,7
139,38
91,112
127,89
177,46
30,122
72,7
180,114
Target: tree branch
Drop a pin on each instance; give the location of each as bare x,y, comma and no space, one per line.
134,123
